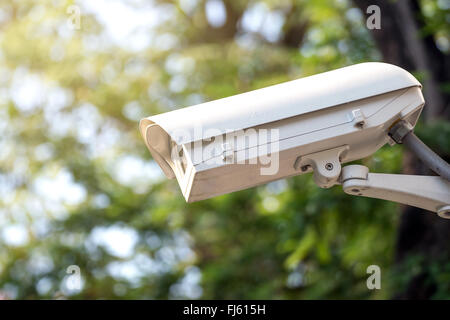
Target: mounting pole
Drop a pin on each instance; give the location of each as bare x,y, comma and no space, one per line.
402,133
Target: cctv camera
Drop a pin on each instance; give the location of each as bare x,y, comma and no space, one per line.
310,124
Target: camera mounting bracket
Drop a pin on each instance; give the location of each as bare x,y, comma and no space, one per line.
326,165
427,192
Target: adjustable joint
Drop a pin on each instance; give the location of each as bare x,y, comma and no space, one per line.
326,165
427,192
400,130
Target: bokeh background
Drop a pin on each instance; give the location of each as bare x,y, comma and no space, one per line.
78,186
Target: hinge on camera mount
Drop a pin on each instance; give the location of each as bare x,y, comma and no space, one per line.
326,165
427,192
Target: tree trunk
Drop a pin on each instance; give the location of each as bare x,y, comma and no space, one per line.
420,232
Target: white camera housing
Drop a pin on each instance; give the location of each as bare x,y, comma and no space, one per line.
346,112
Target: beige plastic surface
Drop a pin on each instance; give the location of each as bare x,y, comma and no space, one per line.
352,106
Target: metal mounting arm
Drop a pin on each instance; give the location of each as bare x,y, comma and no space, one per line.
427,192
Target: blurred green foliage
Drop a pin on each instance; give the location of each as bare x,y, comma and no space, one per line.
77,182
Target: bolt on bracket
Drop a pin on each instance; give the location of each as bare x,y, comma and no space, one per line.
326,165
